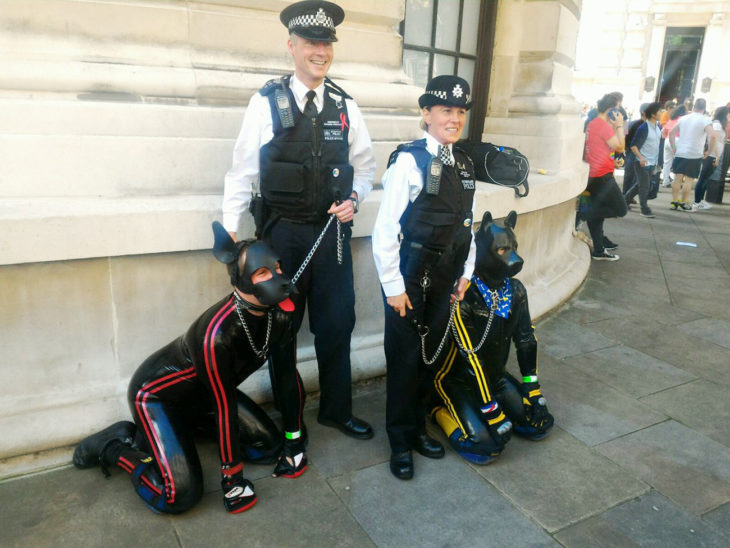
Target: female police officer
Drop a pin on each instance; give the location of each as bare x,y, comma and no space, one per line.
423,248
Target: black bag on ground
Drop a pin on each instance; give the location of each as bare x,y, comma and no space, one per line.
504,166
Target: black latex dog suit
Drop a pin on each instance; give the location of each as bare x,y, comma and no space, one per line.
480,402
191,383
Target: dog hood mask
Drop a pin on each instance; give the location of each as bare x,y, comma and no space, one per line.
490,266
274,291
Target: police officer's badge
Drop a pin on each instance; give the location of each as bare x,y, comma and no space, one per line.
320,17
457,91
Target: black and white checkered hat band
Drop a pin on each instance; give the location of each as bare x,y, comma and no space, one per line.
444,95
438,93
318,19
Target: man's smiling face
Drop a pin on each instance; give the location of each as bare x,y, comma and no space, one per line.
312,59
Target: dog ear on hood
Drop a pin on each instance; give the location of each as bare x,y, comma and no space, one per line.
224,248
486,218
511,219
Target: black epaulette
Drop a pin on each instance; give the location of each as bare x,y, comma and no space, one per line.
337,89
272,84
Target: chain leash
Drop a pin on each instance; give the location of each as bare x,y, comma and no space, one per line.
316,245
451,326
260,353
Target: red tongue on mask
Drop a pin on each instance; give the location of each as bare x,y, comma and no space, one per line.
287,305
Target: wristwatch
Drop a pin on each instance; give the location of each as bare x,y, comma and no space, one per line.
354,202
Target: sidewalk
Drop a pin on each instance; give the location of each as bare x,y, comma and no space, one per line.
635,368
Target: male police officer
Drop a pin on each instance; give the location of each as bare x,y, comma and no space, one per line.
303,138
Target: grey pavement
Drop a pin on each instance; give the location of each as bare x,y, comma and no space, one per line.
635,368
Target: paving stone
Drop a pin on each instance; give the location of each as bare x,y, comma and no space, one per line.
583,309
682,464
334,453
560,338
701,405
671,345
650,520
711,329
630,371
590,410
720,519
688,271
70,507
445,504
298,512
559,481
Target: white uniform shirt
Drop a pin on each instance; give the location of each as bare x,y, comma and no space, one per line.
402,183
257,130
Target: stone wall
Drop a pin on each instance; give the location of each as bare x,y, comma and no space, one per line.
117,122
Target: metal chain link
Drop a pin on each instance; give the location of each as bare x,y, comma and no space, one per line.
260,353
316,245
451,326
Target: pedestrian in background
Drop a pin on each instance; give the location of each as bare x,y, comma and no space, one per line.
645,149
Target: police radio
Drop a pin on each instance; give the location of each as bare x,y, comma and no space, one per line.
433,179
283,107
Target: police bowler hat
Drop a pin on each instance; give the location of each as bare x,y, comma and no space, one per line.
446,90
313,19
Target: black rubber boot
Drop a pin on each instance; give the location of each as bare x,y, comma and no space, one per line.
90,451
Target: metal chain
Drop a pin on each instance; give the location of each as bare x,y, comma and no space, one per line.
265,348
316,245
495,296
451,326
443,339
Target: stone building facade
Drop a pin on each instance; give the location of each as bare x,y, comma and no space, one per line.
117,123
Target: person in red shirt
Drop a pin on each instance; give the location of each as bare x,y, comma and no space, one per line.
604,135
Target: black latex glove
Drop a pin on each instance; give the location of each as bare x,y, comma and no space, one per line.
499,426
238,493
536,411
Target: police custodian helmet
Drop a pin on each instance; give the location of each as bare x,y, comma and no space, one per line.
446,90
313,19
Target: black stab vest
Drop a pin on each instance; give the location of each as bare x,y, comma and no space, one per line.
441,222
304,168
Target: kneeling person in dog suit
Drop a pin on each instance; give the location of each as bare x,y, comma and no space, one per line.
480,403
422,245
192,384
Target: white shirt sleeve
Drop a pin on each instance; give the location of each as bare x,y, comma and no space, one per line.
361,155
471,257
256,131
402,183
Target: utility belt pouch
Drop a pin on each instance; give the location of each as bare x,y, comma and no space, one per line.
433,177
339,181
260,213
416,259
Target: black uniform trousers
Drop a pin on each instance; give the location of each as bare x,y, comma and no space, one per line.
409,382
327,290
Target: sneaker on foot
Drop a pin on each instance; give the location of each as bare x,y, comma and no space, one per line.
604,256
609,245
674,206
703,205
647,213
685,206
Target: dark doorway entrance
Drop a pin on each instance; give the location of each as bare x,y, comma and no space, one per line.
680,63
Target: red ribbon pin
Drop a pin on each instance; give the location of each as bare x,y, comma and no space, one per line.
343,121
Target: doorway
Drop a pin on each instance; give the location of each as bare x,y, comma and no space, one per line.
680,63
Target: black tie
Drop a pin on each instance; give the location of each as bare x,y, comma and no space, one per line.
445,155
310,110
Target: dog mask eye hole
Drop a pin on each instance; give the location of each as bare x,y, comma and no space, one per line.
502,250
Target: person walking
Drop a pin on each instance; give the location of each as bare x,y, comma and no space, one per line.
604,135
423,247
677,113
305,143
645,148
695,128
711,161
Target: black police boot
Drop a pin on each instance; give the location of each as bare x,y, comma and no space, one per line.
90,452
401,465
428,447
